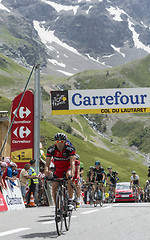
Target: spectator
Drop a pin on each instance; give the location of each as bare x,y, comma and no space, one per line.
7,160
33,181
10,169
24,176
1,160
15,171
3,168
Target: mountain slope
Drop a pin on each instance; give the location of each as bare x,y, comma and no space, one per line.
73,36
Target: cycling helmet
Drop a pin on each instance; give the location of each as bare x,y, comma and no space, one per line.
7,160
109,168
77,156
4,164
91,168
12,164
60,136
97,163
133,172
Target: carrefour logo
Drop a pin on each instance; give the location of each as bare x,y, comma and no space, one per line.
24,112
22,132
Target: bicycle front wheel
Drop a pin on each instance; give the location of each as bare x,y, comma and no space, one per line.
59,213
67,215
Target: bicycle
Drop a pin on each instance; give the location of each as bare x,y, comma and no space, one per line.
61,207
135,193
98,196
91,193
111,194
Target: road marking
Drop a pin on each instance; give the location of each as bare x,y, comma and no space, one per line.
91,211
106,207
13,231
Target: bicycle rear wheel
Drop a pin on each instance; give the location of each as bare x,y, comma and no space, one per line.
59,213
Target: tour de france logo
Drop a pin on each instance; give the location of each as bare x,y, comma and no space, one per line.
59,100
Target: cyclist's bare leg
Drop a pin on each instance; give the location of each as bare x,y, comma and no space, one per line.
54,190
102,190
69,186
78,190
113,192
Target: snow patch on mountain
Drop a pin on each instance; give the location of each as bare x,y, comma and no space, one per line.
87,12
65,73
137,42
96,60
47,37
2,7
55,62
116,12
117,50
59,7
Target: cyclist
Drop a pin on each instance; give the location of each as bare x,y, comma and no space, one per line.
100,177
112,178
77,179
135,181
91,175
63,156
90,179
109,173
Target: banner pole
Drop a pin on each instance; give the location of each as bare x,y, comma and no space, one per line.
37,108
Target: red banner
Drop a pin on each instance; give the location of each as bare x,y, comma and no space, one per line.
22,131
3,205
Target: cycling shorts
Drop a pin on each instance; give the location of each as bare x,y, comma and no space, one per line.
59,172
135,182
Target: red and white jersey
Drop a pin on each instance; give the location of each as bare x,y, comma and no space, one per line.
61,160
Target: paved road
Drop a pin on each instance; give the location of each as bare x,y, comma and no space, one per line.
120,221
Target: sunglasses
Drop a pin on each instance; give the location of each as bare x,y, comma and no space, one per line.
61,141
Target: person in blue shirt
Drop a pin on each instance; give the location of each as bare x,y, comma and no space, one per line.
10,171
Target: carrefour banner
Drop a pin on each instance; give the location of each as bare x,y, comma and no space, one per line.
101,101
22,131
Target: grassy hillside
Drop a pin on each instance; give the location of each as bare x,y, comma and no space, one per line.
89,153
5,104
134,74
12,77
